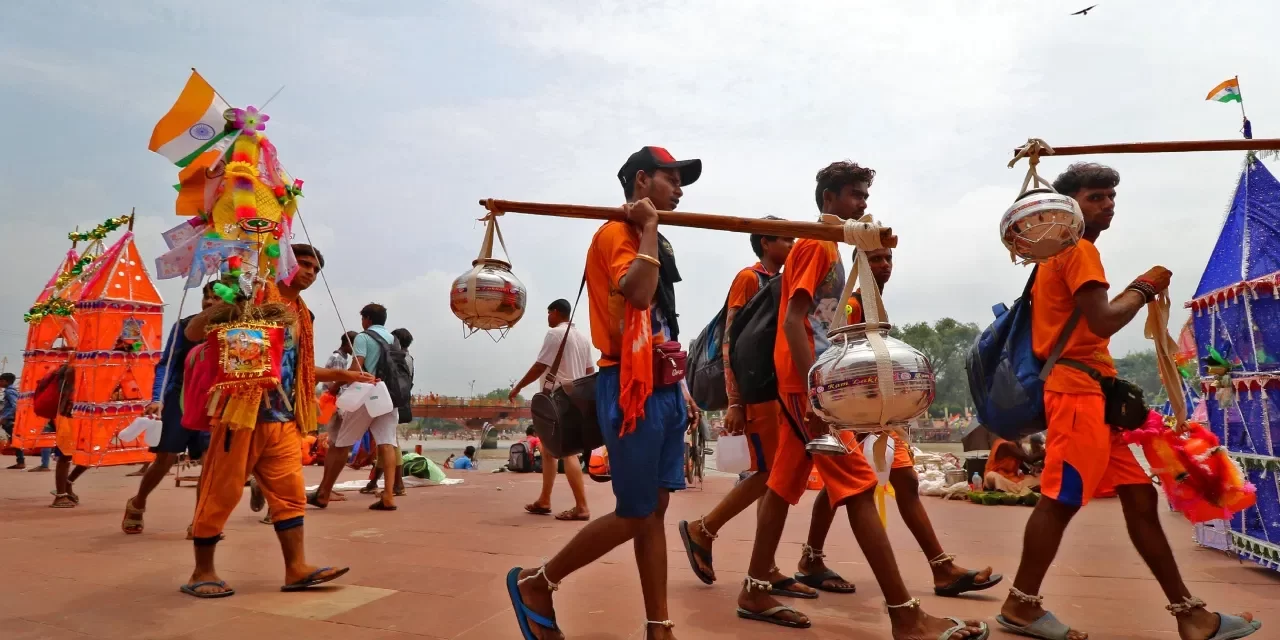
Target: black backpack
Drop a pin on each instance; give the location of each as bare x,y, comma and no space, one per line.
394,370
751,341
520,458
706,362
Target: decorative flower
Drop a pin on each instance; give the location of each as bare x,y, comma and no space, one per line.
250,119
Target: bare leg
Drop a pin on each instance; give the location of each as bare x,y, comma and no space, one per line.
769,525
703,532
906,489
651,558
1141,506
387,455
295,557
334,459
812,561
573,473
154,475
548,478
909,622
204,571
1040,543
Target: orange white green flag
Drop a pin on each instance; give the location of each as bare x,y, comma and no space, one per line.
1228,91
194,126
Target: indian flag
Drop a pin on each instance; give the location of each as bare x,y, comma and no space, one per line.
194,125
1228,91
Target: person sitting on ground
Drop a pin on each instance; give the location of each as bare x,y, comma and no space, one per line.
463,461
1005,467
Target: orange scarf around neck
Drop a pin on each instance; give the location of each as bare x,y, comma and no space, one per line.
636,367
304,377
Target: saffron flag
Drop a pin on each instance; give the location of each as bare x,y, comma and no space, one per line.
1228,91
195,125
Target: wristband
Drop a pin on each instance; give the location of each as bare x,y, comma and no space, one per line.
735,406
1147,290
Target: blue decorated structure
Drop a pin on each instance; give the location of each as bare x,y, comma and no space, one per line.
1236,318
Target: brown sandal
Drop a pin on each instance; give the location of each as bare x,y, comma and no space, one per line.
132,523
572,515
61,501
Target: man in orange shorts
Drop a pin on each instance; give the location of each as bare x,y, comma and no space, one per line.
1082,451
812,286
949,579
758,421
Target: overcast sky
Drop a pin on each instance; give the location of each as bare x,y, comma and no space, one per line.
399,115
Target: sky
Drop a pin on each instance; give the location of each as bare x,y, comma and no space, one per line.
400,115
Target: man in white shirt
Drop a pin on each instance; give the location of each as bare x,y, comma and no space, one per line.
575,363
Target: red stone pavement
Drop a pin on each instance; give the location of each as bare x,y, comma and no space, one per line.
435,568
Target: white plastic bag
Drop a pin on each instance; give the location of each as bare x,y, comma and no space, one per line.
732,454
148,427
378,402
353,396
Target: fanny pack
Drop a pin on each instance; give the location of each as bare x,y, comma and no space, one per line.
1126,403
669,364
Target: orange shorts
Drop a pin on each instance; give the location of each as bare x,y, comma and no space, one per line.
844,476
1082,453
762,435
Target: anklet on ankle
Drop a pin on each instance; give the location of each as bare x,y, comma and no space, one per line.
751,584
542,572
809,553
910,604
942,559
1188,604
703,526
665,624
1029,599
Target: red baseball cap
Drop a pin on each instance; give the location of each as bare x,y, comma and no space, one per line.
649,159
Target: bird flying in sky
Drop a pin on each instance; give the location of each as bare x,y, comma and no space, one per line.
1084,12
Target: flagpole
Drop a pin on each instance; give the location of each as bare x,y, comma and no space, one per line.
1241,91
215,91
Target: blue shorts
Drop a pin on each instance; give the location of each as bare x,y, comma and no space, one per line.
649,459
175,438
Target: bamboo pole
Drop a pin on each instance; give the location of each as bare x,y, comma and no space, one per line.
715,222
1182,146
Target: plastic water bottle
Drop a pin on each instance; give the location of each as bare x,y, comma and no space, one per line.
975,482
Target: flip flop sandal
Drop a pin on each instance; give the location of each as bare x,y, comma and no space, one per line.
819,581
967,583
190,589
368,491
537,510
771,616
780,589
571,515
381,506
400,493
132,523
695,552
313,499
1233,627
523,613
961,625
62,501
1046,627
315,579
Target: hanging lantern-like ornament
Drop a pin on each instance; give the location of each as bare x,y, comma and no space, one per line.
489,297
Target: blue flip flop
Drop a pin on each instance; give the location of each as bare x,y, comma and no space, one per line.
523,613
1233,627
315,579
1046,627
190,589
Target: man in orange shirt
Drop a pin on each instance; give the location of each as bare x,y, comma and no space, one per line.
1082,451
758,421
949,579
1004,468
812,285
629,272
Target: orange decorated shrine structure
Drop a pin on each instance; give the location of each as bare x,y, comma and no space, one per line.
119,316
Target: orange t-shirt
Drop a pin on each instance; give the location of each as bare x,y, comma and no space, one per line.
1002,462
814,267
1053,302
610,255
745,286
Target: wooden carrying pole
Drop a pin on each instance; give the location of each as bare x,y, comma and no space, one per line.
780,228
1267,144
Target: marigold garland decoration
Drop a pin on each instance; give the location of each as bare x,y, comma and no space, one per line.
99,232
55,306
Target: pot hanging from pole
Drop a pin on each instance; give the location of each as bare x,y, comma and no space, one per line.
489,297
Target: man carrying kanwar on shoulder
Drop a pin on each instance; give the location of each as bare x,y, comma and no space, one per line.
812,285
758,421
632,310
1082,451
270,451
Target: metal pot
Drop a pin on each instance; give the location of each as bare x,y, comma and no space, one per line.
488,297
1040,224
844,383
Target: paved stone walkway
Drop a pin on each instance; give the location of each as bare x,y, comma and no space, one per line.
435,569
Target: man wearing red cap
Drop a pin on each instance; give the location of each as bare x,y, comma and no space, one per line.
630,277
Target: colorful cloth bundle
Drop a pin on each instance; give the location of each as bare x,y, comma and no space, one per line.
1201,481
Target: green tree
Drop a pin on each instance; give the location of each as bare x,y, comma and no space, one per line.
500,394
1139,367
945,343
